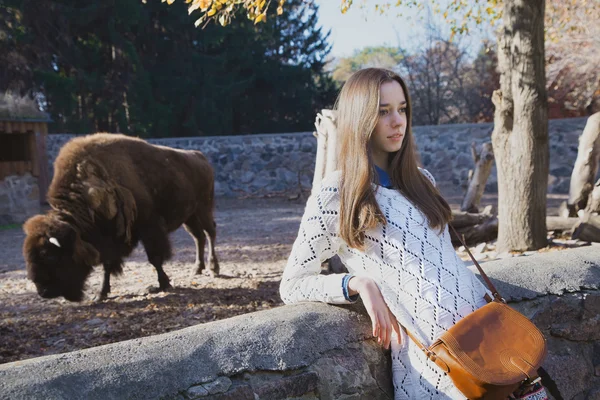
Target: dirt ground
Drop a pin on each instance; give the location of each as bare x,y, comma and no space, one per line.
254,239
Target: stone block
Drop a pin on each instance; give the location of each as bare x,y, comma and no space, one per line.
288,387
219,385
562,187
594,394
247,176
19,198
243,392
491,187
562,171
569,365
345,373
464,161
196,392
426,159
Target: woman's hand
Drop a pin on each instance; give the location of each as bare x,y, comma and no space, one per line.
382,319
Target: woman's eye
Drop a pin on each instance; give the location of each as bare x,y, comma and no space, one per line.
402,110
383,112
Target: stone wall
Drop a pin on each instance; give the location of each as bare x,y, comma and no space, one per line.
19,198
244,165
284,163
315,351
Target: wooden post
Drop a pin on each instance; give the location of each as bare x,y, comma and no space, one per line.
321,135
326,134
585,168
483,167
325,163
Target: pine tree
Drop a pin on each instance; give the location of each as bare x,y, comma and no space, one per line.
145,69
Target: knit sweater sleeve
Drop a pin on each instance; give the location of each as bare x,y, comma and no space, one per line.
317,241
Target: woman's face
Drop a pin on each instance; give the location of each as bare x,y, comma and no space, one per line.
391,126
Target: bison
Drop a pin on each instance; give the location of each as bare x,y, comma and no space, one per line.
109,192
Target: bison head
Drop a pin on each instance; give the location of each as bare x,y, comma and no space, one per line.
58,261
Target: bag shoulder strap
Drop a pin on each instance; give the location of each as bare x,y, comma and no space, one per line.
487,280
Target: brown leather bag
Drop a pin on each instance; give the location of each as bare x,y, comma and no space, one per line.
491,352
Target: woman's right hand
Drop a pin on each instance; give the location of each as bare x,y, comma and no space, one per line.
382,319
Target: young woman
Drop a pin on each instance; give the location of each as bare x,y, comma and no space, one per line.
385,218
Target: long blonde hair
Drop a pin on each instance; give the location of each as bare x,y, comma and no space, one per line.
357,115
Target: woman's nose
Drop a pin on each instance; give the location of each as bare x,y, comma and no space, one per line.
397,120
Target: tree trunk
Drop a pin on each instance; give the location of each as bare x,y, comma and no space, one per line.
483,167
585,168
520,136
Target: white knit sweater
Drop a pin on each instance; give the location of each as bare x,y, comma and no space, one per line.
423,281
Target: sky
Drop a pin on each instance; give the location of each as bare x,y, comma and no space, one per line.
359,28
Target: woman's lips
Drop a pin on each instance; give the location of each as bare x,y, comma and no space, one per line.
395,137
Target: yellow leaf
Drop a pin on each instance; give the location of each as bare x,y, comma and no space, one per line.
169,2
193,7
262,17
279,10
212,12
262,3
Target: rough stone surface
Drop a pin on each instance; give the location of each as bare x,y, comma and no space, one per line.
284,163
196,392
557,272
593,394
345,374
285,338
288,387
238,393
569,365
219,385
316,351
19,198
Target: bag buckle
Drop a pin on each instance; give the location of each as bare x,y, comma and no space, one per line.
430,354
499,298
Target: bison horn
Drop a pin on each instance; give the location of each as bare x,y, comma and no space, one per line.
54,241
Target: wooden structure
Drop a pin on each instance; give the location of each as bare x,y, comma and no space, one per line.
23,149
